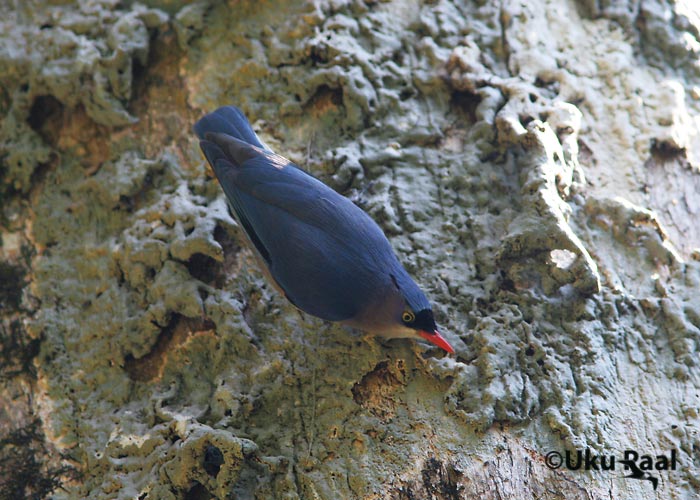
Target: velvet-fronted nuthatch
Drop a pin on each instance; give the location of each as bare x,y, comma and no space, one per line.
324,253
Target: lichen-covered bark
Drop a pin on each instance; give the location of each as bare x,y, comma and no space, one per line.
534,164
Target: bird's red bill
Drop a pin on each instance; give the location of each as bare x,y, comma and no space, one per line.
438,340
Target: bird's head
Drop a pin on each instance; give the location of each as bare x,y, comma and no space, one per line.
423,324
413,313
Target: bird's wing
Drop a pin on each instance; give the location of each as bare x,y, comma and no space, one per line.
322,250
225,172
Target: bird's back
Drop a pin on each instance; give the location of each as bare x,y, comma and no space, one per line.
327,255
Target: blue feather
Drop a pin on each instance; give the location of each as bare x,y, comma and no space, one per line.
412,294
231,121
327,255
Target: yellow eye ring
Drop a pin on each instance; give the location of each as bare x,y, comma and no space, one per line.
408,317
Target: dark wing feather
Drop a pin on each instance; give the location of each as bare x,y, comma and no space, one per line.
327,255
317,273
225,173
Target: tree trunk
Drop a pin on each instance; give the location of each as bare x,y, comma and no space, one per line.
534,164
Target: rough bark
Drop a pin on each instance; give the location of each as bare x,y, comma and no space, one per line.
535,165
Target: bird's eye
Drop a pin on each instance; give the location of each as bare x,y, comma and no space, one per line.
408,317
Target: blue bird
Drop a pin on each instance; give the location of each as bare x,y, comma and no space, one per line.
324,253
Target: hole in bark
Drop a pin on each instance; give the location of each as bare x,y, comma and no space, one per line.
325,98
406,93
11,286
376,390
204,268
664,151
213,460
508,284
198,492
525,119
149,367
465,103
45,117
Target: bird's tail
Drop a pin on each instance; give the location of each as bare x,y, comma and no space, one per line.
231,121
